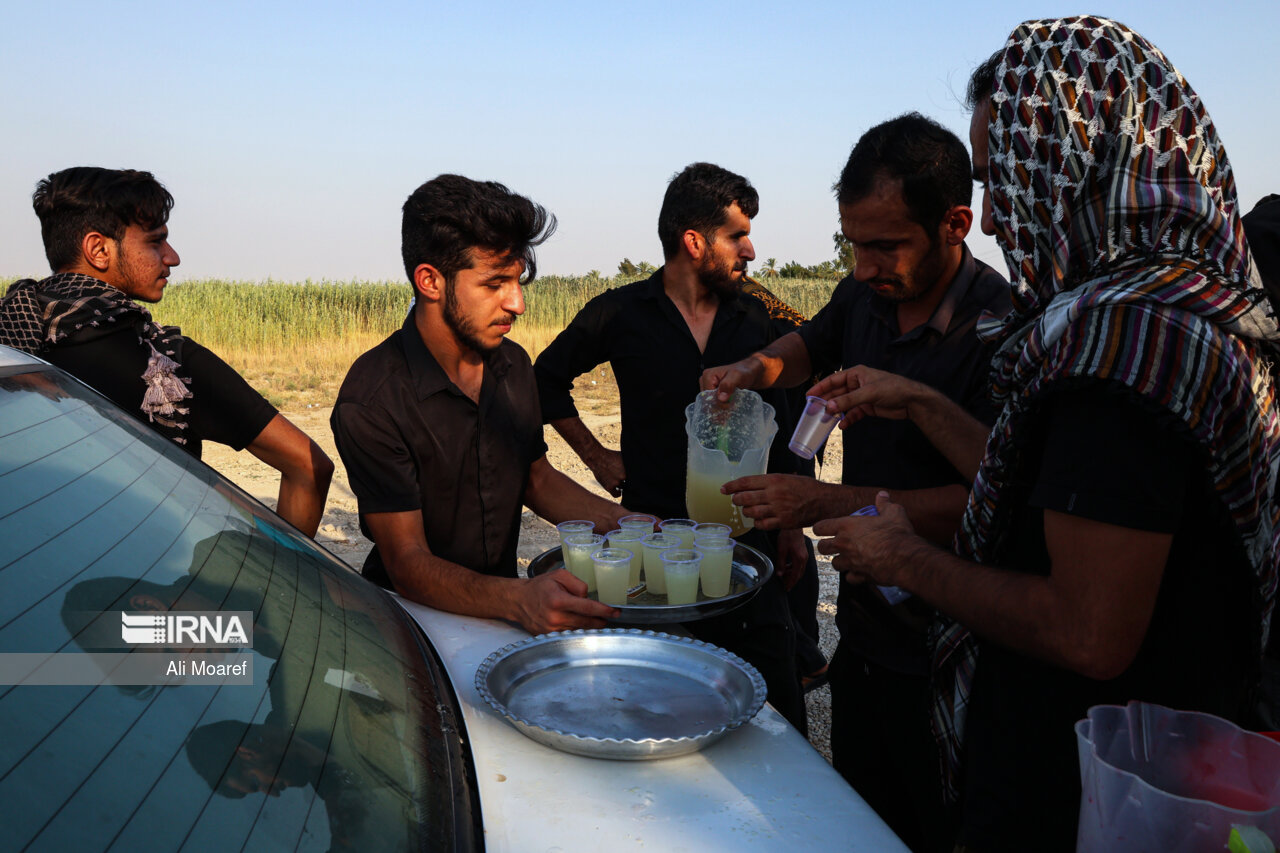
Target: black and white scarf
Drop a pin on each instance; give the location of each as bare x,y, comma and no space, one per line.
36,316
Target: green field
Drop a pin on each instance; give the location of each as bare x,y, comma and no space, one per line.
294,342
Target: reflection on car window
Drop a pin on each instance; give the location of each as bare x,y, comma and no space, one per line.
338,744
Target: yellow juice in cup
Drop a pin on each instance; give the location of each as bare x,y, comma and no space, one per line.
679,527
654,544
613,569
630,541
577,551
680,566
717,563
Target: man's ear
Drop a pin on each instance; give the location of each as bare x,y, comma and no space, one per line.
694,244
98,250
428,282
956,223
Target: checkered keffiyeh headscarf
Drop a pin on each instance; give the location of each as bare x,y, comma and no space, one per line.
73,308
1116,209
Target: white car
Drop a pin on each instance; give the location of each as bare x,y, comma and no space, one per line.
342,727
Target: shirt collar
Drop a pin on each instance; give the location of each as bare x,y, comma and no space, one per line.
956,292
653,289
428,376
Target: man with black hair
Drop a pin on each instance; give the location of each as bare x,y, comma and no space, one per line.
107,242
658,334
910,306
1120,539
439,425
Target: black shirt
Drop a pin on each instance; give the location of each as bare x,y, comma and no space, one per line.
411,440
223,407
859,327
641,333
1097,454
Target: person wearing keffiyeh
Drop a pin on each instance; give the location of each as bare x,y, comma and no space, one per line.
107,241
1119,541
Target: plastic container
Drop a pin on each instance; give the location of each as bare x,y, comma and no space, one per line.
812,428
1171,781
726,441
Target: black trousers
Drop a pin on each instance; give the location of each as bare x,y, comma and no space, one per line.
803,601
882,744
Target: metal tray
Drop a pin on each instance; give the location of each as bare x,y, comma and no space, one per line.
620,693
751,570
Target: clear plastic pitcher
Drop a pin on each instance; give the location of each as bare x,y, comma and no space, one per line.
726,441
1163,780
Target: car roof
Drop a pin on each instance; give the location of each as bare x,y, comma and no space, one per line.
761,787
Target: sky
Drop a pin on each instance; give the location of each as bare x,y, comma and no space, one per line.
291,133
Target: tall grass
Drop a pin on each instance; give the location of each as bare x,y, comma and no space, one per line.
294,342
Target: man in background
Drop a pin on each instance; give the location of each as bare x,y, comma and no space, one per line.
107,241
658,334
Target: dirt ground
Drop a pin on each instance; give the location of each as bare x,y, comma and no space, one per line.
340,530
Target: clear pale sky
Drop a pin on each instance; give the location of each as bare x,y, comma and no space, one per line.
291,133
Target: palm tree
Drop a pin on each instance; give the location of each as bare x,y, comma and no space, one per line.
770,268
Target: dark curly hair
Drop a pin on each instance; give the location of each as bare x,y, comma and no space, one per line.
699,199
83,199
449,215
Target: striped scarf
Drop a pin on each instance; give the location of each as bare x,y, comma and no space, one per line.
1116,209
76,308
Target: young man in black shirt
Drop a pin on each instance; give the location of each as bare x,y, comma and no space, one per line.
107,241
439,425
658,335
911,306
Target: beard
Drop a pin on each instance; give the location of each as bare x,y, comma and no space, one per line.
719,278
463,327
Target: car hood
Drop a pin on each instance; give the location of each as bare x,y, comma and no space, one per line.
762,786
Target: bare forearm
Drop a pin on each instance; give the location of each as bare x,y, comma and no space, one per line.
554,496
1016,610
784,363
580,439
301,500
934,513
427,579
957,435
305,472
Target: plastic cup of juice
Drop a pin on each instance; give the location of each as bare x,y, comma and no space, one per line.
682,527
630,541
613,569
565,528
641,522
812,428
712,529
681,567
717,565
654,544
577,550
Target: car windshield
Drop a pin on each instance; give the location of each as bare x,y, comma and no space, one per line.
344,737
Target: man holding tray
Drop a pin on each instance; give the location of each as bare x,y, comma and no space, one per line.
439,425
